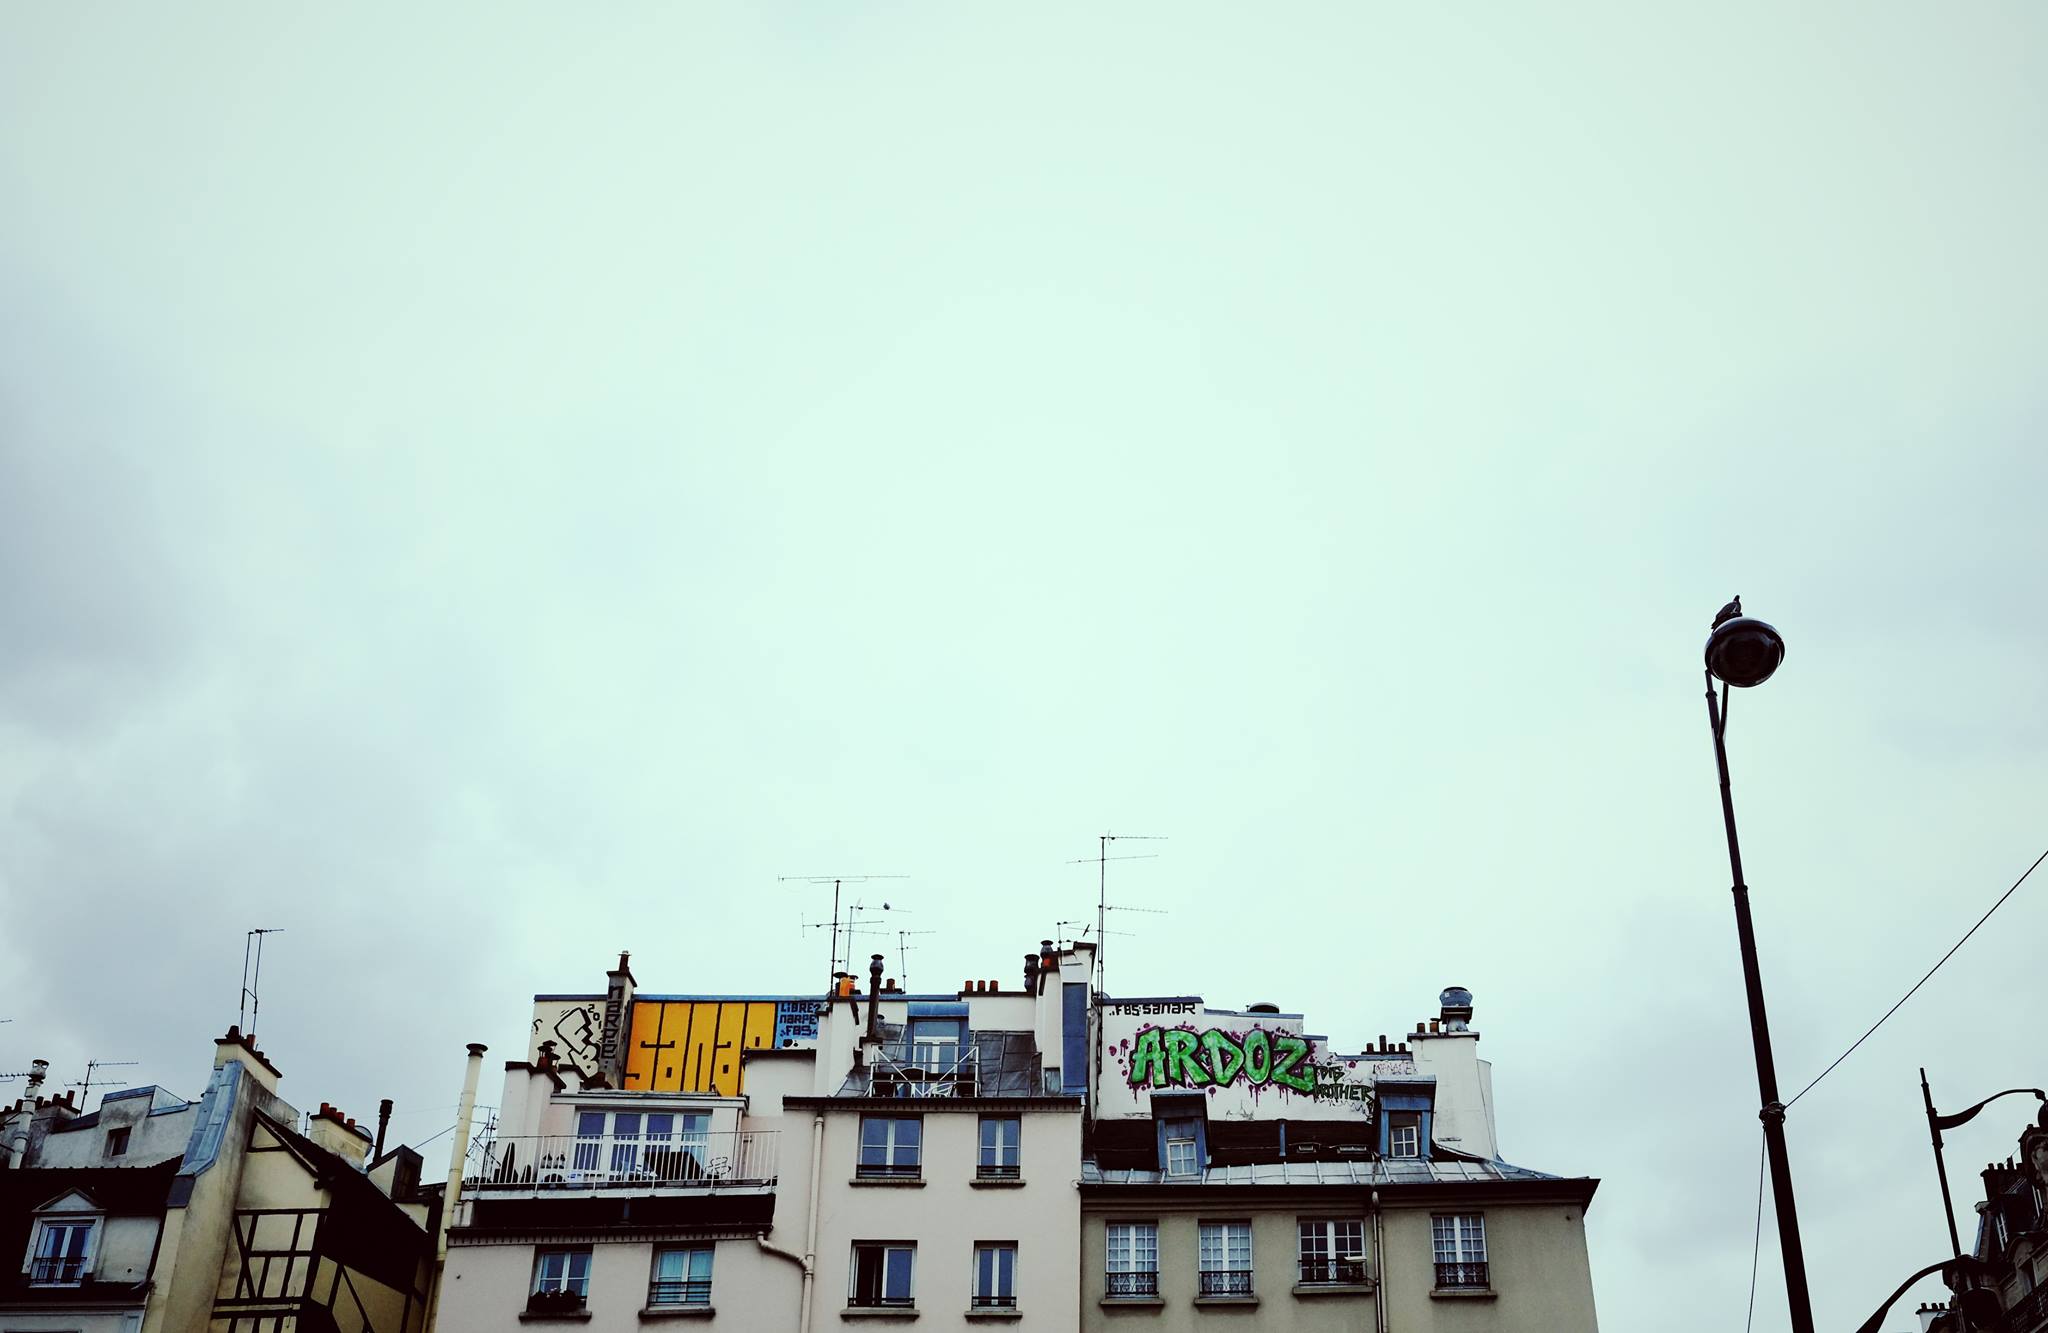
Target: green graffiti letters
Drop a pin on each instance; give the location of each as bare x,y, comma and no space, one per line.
1184,1058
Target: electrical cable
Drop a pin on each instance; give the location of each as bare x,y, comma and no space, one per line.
1756,1242
1922,981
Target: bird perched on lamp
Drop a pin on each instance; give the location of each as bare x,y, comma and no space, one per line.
1728,613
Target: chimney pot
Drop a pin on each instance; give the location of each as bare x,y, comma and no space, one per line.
992,988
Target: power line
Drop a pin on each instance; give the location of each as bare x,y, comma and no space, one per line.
1756,1241
1922,981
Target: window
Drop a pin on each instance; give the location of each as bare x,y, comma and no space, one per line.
1181,1159
561,1280
117,1142
1131,1258
995,1275
1404,1134
999,1139
1332,1250
889,1147
881,1274
1460,1249
935,1044
643,1145
1226,1255
62,1252
681,1277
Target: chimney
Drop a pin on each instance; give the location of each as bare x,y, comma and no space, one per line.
618,1003
1048,961
383,1123
1457,1009
38,1070
1031,974
339,1135
874,998
458,1153
240,1048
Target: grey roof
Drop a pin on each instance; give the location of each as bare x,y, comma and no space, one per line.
1399,1171
1006,1064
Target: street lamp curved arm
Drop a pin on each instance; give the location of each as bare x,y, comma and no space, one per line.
1965,1117
1971,1304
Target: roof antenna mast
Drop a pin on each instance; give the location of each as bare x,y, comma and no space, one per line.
245,1013
838,927
1103,907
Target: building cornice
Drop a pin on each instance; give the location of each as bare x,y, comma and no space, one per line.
1392,1195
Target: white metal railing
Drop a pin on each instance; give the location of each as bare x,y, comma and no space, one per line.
926,1069
723,1159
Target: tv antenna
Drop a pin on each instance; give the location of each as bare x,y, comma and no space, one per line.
250,1003
1102,858
91,1066
836,925
903,948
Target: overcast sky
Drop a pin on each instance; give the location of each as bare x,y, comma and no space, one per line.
485,488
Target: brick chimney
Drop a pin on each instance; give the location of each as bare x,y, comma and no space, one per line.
340,1135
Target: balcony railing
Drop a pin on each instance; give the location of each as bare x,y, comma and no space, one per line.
926,1069
1348,1272
1460,1275
560,1301
727,1159
57,1272
1226,1282
679,1291
1117,1285
990,1171
888,1170
994,1303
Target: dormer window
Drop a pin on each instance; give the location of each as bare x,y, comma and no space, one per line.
1404,1134
117,1142
60,1251
1181,1158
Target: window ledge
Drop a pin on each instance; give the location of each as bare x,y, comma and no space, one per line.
658,1312
1332,1288
1464,1294
997,1313
888,1182
1131,1302
1009,1183
1228,1302
554,1317
901,1313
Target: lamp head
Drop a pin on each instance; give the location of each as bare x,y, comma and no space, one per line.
1744,652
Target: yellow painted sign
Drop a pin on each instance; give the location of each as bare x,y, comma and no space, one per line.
695,1045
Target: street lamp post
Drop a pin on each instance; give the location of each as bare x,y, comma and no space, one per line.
1743,653
1975,1302
1937,1122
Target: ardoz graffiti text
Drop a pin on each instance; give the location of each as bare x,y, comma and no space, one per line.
1184,1058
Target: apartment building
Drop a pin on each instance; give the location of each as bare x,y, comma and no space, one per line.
159,1214
1026,1152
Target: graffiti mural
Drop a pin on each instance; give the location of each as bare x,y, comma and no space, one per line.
1238,1061
574,1024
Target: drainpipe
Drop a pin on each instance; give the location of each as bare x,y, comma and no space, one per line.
1379,1258
458,1153
811,1222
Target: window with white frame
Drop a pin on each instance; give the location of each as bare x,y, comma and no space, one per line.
1404,1134
1226,1259
682,1276
1000,1136
935,1044
60,1253
1181,1159
1460,1242
881,1276
1131,1259
1332,1250
890,1147
561,1279
643,1145
995,1275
